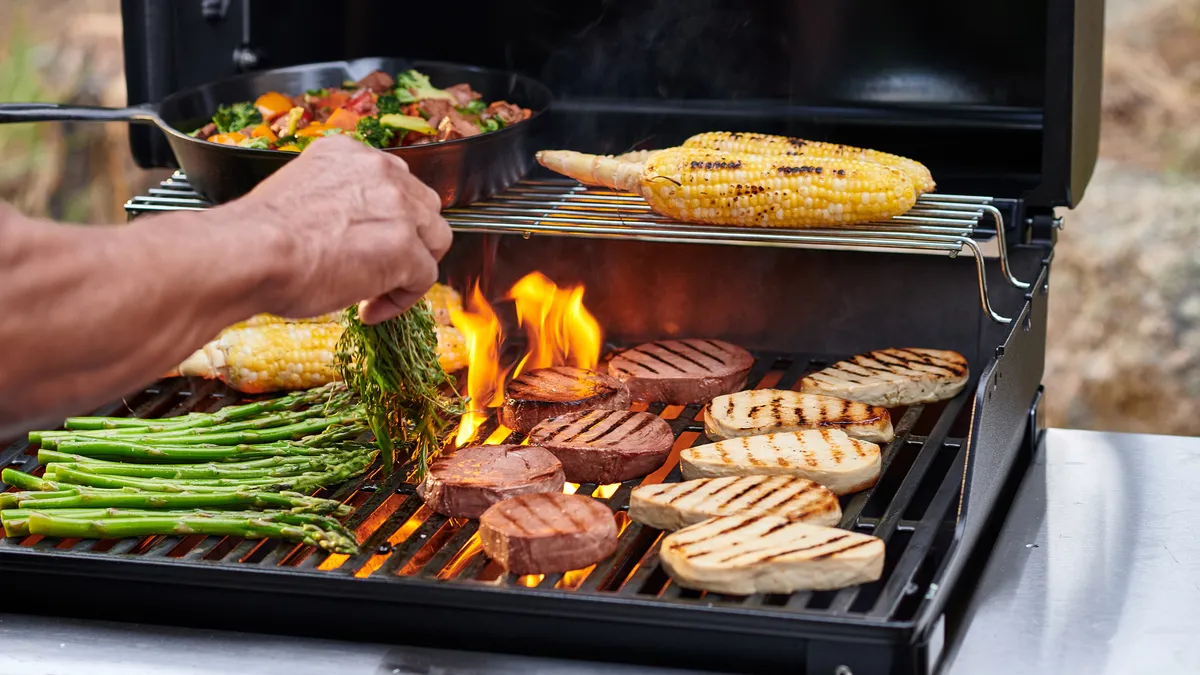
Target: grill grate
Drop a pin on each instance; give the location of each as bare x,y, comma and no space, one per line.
941,224
912,508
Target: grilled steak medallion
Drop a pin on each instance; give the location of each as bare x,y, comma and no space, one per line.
827,456
546,533
605,446
549,392
466,483
748,554
893,377
670,506
766,411
680,372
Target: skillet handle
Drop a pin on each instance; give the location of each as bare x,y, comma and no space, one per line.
53,112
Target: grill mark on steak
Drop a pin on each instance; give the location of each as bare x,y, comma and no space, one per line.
565,512
523,502
656,357
514,522
716,345
597,418
851,547
685,357
625,417
718,359
641,425
744,524
627,354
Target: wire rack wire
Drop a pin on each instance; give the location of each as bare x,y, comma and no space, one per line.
938,223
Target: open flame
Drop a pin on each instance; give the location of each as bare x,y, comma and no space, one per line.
560,331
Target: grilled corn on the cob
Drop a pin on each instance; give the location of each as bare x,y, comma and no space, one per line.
766,144
268,319
442,300
288,356
716,188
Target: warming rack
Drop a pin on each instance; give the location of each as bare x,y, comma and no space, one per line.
938,223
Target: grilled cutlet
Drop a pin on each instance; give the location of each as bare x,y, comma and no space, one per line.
670,506
549,392
827,456
605,446
893,377
767,411
681,372
746,554
546,533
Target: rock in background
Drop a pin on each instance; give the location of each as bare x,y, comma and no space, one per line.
1124,328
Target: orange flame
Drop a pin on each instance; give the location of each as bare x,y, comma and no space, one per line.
560,331
481,328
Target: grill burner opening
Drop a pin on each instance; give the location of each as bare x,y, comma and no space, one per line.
910,508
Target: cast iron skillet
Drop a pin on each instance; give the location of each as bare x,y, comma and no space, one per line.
462,170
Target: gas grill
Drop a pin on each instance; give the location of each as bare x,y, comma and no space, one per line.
1002,103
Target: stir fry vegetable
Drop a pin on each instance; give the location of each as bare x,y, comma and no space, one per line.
378,110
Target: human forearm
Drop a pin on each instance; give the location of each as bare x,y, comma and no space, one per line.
114,307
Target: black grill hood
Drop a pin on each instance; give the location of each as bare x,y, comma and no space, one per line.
998,97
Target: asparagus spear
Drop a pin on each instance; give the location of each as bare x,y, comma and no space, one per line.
185,454
291,501
352,467
271,467
125,468
169,430
330,536
227,414
297,430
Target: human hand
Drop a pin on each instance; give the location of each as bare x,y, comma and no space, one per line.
350,224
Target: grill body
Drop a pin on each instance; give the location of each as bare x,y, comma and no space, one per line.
422,580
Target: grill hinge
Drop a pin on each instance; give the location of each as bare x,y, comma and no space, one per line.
1043,227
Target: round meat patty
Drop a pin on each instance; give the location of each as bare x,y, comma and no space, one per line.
605,446
466,483
549,392
547,533
681,372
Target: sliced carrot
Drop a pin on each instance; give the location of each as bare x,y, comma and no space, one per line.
343,119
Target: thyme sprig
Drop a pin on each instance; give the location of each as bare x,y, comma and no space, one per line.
393,367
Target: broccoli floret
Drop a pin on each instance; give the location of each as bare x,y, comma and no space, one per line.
491,124
374,134
388,104
258,142
475,107
234,117
317,93
413,86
